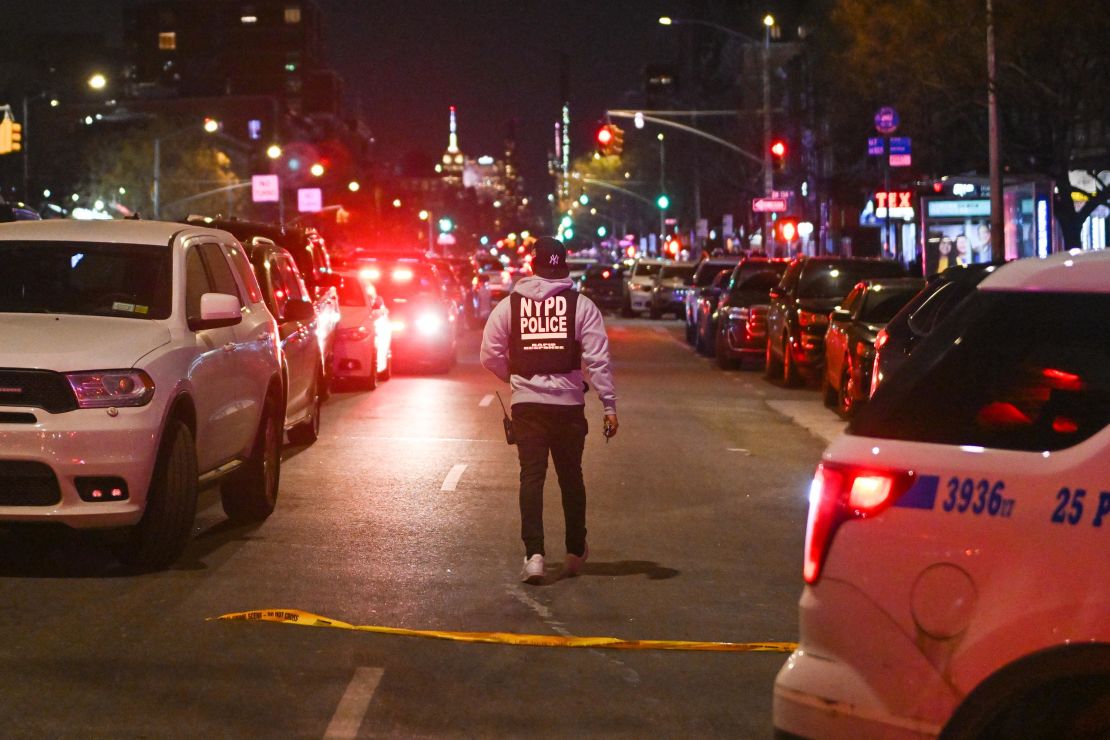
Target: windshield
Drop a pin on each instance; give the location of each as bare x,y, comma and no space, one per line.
646,269
1017,371
707,271
760,282
836,279
682,272
880,305
90,279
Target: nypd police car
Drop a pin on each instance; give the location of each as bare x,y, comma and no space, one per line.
957,549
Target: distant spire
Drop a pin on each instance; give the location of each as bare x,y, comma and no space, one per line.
453,139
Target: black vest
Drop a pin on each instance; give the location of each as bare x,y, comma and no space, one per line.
542,335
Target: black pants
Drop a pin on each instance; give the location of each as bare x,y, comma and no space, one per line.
561,430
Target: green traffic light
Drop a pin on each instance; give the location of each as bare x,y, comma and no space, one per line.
583,199
663,202
602,231
446,225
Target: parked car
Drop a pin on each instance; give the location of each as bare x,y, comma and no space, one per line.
604,285
800,307
422,315
706,307
303,372
850,339
638,285
956,540
313,260
579,265
452,285
363,347
704,274
742,315
668,291
491,284
715,294
138,362
917,319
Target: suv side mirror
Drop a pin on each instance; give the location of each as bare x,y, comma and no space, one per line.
299,310
216,310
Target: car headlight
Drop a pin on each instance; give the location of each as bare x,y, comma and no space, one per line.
98,389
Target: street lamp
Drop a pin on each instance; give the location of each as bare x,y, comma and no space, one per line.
156,190
97,81
273,151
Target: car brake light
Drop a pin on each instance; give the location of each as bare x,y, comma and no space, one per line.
810,318
840,493
401,275
370,273
881,339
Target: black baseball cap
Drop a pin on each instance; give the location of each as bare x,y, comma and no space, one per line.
550,258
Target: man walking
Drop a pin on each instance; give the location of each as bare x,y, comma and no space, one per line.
538,340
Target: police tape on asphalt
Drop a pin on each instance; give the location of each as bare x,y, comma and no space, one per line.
307,619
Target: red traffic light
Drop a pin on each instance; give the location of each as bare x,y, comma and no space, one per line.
778,148
604,136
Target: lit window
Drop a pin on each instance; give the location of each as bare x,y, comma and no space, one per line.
292,13
167,40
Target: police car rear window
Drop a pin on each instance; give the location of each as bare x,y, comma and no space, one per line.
1014,371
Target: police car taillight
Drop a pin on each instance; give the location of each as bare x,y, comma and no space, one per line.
842,492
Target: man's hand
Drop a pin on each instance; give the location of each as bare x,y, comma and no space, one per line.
610,425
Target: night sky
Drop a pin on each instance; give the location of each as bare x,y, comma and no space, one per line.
404,63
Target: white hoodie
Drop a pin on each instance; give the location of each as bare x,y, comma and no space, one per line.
563,389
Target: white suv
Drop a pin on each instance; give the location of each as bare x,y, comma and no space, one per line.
958,541
137,363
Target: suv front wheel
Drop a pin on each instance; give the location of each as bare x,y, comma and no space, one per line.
171,503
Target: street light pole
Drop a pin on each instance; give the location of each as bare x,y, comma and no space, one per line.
998,232
662,181
768,175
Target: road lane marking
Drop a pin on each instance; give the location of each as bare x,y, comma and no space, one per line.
486,400
741,450
308,619
452,478
352,707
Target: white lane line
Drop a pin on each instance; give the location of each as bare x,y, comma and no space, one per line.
741,450
356,700
452,478
486,400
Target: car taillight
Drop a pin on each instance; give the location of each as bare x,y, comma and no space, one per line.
811,318
881,339
840,493
354,334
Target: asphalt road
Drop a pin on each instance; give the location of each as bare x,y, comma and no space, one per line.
696,519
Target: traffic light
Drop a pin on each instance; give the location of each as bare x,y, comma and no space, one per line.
616,146
17,136
446,225
604,139
786,230
778,154
5,134
663,202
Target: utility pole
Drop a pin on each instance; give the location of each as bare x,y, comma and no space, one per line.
998,233
662,183
768,176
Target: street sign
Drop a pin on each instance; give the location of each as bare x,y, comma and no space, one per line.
900,145
726,224
769,205
310,200
886,120
265,189
702,228
875,146
901,160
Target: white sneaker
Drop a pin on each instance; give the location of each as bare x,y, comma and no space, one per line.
533,570
573,564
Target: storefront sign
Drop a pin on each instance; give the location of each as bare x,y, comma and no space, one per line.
957,208
894,204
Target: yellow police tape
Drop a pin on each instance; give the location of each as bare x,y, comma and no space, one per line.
307,619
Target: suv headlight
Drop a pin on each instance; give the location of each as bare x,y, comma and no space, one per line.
98,389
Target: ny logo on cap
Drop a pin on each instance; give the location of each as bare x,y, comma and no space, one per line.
553,259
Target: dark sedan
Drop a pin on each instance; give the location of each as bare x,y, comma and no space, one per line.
742,316
604,285
713,298
850,340
800,305
668,294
